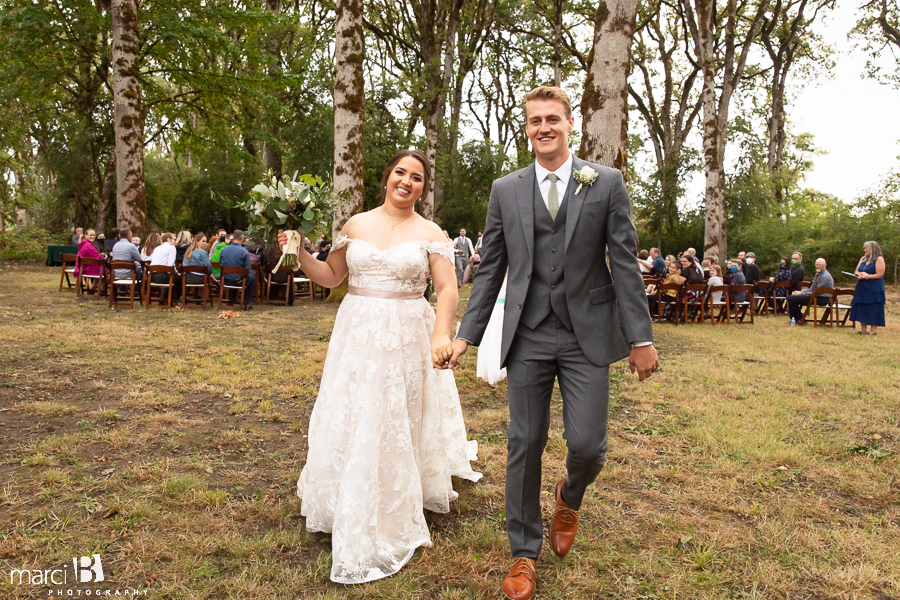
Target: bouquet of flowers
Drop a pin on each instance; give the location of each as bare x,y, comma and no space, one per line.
300,205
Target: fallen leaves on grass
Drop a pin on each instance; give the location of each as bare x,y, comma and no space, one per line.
228,314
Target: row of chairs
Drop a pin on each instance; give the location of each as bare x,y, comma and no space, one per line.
124,291
694,304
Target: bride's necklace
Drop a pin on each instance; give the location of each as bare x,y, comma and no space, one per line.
393,225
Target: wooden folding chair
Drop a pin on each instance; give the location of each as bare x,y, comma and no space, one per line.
303,286
115,283
762,291
288,286
779,303
742,309
260,292
68,268
663,315
802,285
164,290
826,320
318,290
693,303
89,285
723,306
225,288
194,295
837,306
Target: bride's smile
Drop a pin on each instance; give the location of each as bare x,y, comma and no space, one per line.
405,183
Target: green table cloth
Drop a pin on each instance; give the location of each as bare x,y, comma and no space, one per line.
54,253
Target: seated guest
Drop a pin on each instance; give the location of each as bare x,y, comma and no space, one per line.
668,296
100,243
657,262
472,266
257,252
797,270
125,250
216,255
671,259
235,255
136,240
799,299
220,238
196,256
643,262
79,235
751,272
87,249
783,274
690,272
693,254
112,238
737,277
153,242
715,278
325,248
164,256
705,265
182,241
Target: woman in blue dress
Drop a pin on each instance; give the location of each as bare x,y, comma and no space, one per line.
868,299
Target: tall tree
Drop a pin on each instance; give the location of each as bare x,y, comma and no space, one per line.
722,38
664,92
131,195
604,103
349,98
787,37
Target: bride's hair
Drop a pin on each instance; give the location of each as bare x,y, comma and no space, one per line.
416,154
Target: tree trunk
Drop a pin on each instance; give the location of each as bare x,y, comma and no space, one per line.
604,104
557,41
714,236
107,193
349,94
131,196
446,81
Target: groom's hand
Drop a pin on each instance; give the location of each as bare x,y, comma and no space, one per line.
459,348
643,360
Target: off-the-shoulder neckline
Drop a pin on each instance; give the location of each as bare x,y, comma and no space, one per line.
374,247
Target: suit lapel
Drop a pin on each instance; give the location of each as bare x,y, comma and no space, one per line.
575,202
524,196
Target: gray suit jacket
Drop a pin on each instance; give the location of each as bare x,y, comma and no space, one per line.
608,310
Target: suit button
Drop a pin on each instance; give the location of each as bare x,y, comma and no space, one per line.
553,232
552,287
528,276
552,268
519,306
554,250
548,308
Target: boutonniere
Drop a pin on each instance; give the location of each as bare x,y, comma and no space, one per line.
585,176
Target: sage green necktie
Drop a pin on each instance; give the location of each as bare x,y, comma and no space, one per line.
553,196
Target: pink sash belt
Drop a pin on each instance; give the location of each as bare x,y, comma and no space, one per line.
387,295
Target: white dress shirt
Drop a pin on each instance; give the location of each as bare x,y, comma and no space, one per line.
564,173
163,256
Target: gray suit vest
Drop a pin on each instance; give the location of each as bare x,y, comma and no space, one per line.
547,290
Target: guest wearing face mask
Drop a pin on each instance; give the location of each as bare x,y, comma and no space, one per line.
783,274
751,272
737,278
797,270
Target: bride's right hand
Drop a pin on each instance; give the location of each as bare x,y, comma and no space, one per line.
282,239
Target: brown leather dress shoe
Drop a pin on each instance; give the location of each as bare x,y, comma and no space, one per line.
519,582
564,525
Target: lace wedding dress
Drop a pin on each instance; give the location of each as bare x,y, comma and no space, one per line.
387,430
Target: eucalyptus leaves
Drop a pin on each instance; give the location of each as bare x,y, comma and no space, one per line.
302,204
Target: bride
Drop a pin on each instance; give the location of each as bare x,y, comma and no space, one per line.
387,432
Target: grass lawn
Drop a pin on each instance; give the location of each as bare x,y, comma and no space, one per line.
759,462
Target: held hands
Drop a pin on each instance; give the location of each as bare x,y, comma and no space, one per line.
441,351
459,348
644,361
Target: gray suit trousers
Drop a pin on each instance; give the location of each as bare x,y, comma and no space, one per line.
537,357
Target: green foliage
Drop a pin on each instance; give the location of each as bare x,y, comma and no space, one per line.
28,244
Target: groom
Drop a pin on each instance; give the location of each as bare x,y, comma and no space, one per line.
567,317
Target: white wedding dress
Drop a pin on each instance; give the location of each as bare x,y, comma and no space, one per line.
387,431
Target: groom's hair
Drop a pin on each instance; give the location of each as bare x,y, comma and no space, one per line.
549,92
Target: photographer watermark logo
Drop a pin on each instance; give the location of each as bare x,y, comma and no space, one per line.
86,569
91,569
